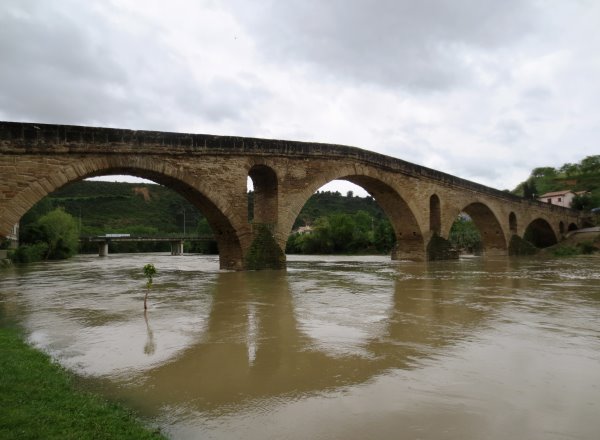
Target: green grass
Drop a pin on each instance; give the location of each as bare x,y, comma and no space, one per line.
39,401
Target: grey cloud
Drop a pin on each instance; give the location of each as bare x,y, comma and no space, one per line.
400,43
508,131
220,98
67,63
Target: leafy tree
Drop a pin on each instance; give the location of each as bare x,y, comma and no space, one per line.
465,235
569,169
53,236
529,190
590,164
582,202
344,233
149,273
384,237
60,234
543,172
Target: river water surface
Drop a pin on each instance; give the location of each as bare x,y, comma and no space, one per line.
332,348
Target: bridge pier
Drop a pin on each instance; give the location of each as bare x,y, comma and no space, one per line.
264,252
177,247
103,249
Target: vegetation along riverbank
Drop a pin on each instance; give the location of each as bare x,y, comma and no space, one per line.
40,401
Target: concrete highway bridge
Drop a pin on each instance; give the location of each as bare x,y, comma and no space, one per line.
212,171
176,241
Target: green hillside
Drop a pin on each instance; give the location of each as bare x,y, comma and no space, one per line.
583,176
108,207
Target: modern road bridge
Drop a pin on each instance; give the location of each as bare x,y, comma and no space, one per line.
211,172
175,241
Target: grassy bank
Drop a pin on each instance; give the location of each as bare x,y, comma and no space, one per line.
38,400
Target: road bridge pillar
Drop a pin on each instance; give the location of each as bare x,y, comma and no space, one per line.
103,249
177,247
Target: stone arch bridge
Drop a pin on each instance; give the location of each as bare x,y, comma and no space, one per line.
212,171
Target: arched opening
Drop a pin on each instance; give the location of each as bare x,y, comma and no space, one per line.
435,219
477,230
561,227
378,222
512,222
540,234
188,210
262,201
572,227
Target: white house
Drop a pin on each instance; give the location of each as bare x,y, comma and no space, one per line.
560,198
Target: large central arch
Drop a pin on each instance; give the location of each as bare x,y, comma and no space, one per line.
409,238
230,250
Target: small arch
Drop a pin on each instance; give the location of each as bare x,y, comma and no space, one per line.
492,236
540,233
435,218
263,203
561,227
572,227
512,222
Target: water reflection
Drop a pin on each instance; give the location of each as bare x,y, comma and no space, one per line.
150,346
256,345
333,348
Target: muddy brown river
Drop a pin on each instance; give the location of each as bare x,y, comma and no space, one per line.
332,348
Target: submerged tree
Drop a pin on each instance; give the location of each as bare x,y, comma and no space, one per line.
149,272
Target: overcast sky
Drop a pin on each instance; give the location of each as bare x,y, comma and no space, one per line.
482,89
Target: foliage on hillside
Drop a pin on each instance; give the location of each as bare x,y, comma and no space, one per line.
344,233
583,176
108,207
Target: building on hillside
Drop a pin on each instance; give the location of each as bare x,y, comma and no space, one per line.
560,198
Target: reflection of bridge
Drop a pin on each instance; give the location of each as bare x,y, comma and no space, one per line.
254,346
176,241
212,171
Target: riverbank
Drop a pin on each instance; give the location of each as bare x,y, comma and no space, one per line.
580,242
38,400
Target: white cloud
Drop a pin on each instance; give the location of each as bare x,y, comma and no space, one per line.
481,89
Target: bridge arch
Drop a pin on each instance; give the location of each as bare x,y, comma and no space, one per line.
187,185
540,233
493,240
410,242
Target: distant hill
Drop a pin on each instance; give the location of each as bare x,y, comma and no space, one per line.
583,176
109,207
